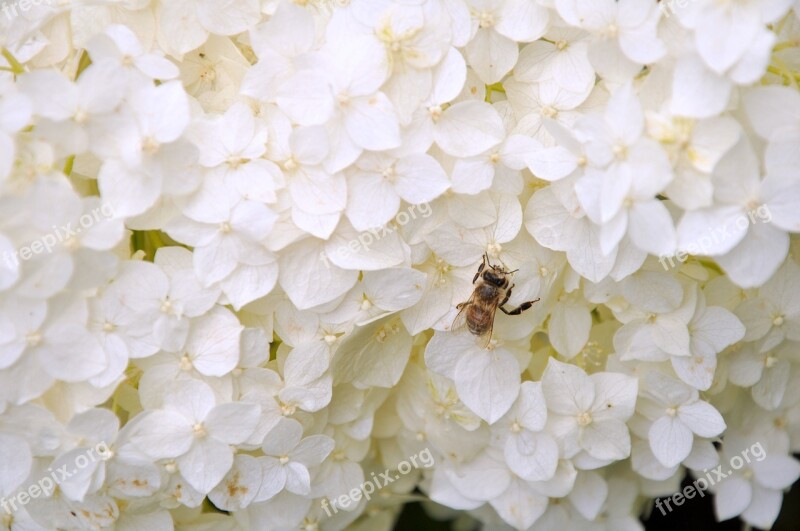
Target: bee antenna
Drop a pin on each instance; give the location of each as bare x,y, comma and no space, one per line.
513,271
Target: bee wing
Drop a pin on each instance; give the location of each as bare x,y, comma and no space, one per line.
487,336
460,321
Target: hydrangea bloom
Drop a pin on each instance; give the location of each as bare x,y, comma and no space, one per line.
234,237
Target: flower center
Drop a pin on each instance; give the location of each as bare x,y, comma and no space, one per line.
150,145
290,164
584,419
34,339
485,20
199,430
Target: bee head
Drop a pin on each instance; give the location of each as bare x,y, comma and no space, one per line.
496,277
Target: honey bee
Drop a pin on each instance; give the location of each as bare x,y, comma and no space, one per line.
492,291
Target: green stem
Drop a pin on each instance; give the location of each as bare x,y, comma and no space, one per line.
83,64
16,67
68,165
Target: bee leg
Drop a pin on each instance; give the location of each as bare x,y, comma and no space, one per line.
518,310
508,296
480,269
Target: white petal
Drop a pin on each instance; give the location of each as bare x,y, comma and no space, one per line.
241,484
552,163
569,327
522,21
309,279
306,98
372,123
650,227
764,508
757,257
770,390
518,506
162,434
283,438
191,398
615,395
372,201
732,497
205,464
420,178
488,383
702,419
228,17
697,91
298,479
531,409
483,478
606,439
213,343
232,423
772,108
567,389
532,456
313,450
776,472
670,440
491,55
589,494
15,462
716,329
711,232
469,128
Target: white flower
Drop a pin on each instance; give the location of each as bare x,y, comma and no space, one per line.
625,34
120,47
588,412
497,27
742,218
380,182
774,314
141,147
185,25
288,456
530,452
677,415
754,491
196,431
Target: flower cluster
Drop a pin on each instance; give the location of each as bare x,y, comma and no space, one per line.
243,373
